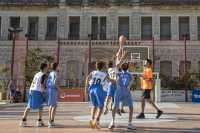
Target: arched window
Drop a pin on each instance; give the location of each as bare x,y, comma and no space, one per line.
182,66
166,68
72,73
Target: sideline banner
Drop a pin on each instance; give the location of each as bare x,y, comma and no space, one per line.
196,96
70,95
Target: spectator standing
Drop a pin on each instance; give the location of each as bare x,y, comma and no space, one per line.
11,88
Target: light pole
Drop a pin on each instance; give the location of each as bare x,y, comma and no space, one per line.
11,30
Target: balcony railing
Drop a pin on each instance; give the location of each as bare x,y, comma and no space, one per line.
169,1
73,1
51,37
28,1
99,1
165,37
181,37
123,1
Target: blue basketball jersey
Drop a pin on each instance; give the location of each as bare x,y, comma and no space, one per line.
51,79
124,79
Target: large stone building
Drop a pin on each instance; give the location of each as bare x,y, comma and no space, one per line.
105,20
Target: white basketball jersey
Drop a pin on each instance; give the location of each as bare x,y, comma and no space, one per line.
112,72
105,86
98,78
36,82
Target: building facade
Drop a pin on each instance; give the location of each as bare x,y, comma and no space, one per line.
43,21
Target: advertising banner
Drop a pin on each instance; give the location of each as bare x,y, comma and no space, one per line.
71,95
196,96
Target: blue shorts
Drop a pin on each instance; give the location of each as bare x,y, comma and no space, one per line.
35,100
123,96
12,93
97,95
51,96
112,87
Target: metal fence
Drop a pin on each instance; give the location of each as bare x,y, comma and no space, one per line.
78,56
28,1
19,49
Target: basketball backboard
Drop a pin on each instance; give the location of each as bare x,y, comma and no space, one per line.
137,53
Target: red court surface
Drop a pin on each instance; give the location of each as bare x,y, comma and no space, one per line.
188,115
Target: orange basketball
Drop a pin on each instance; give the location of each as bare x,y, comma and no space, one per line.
122,39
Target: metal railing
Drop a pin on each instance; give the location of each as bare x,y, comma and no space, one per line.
73,1
165,38
169,1
116,38
123,1
181,37
99,1
51,37
28,1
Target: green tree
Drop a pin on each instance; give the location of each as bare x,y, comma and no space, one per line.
4,69
34,58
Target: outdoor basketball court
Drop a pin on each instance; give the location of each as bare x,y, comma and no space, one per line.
180,117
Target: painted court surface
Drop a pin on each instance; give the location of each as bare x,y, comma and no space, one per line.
179,117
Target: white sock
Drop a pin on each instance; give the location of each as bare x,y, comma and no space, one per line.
113,123
129,123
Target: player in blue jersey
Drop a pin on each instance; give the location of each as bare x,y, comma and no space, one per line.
123,94
51,93
96,92
112,71
117,61
35,96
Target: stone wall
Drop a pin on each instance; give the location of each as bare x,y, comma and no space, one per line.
104,51
111,12
78,50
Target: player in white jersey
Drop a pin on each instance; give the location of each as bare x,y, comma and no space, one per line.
105,87
96,92
36,97
113,70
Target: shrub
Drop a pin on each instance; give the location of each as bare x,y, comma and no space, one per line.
4,69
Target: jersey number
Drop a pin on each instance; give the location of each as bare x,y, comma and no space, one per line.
34,81
98,81
112,74
124,80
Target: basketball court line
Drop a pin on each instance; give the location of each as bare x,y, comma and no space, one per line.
149,118
102,129
137,105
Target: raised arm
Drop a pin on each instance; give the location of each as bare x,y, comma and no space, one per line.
132,79
56,81
87,83
120,62
116,78
119,53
